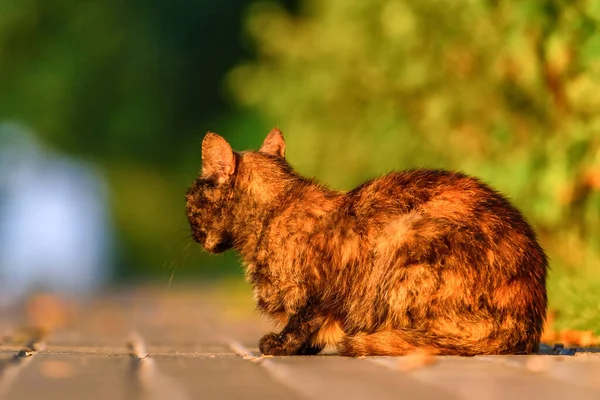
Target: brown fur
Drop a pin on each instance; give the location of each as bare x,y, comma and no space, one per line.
425,260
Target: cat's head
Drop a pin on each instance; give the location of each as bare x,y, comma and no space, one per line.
210,200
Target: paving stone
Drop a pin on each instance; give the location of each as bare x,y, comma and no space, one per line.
472,378
147,344
59,377
221,377
333,377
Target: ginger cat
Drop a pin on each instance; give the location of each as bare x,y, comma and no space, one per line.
426,260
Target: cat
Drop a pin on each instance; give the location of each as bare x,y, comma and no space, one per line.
421,260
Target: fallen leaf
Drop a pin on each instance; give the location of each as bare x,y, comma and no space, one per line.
46,312
549,334
539,363
567,337
415,360
576,338
57,369
592,178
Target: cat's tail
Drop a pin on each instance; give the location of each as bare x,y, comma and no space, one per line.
402,342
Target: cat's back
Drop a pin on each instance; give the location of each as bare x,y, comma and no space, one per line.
442,193
436,205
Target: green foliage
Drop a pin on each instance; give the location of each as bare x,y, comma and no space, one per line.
116,80
506,90
132,86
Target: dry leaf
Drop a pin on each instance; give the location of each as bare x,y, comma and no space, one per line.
415,360
569,337
57,369
549,334
576,338
539,363
46,312
592,178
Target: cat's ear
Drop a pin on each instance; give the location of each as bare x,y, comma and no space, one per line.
274,144
218,159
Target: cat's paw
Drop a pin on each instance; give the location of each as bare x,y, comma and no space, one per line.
272,344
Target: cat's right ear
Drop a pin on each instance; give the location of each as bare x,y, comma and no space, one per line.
274,144
218,160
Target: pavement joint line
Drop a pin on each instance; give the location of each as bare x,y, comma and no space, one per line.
284,374
77,350
151,354
542,364
278,372
11,368
529,366
150,382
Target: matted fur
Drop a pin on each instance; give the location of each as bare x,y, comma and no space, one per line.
426,260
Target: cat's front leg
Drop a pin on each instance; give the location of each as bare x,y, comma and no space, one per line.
278,344
295,338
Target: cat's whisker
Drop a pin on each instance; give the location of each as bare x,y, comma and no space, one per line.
171,278
186,252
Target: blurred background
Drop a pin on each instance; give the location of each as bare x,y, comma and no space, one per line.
103,106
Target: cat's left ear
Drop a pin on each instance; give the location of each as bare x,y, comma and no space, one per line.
274,144
218,159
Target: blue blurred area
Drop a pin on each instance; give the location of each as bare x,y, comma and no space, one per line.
56,232
130,87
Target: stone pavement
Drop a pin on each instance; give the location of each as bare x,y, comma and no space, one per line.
145,343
